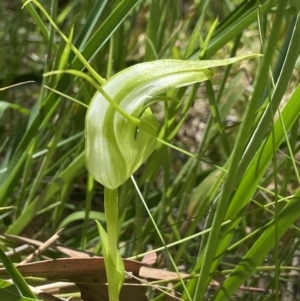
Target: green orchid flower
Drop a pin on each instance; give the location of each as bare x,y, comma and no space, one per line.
115,146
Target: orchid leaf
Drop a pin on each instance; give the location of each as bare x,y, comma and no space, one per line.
115,149
114,266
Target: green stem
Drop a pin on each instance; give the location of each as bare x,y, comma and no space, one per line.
111,216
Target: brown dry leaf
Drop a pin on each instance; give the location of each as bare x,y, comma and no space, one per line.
88,274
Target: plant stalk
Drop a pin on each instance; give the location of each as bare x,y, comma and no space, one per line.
111,216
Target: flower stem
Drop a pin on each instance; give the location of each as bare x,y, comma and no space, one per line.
111,215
